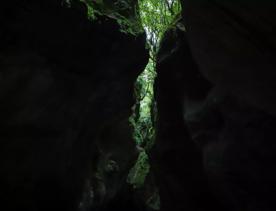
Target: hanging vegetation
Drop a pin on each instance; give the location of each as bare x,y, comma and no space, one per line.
153,17
156,16
125,12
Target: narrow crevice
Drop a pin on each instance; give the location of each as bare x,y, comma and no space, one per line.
157,17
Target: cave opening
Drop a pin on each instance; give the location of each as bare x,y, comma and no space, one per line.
156,17
201,132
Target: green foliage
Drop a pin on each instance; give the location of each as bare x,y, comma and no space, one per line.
142,119
139,171
91,14
157,16
125,12
154,17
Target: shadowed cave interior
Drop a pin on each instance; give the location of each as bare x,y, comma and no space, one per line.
140,105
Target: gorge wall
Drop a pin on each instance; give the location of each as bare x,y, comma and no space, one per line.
66,92
215,147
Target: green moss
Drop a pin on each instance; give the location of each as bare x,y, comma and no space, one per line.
125,12
139,171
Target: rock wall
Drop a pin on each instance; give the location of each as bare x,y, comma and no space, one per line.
234,45
176,159
215,146
65,96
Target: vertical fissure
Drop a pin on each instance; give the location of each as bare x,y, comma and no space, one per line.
157,17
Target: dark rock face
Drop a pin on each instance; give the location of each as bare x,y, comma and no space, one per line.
234,45
65,96
176,159
215,147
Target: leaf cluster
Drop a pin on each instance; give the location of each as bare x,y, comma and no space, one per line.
157,16
125,12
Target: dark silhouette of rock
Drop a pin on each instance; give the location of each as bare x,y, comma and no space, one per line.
176,159
65,96
215,147
233,42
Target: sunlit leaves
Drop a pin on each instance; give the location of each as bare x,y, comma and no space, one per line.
157,15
